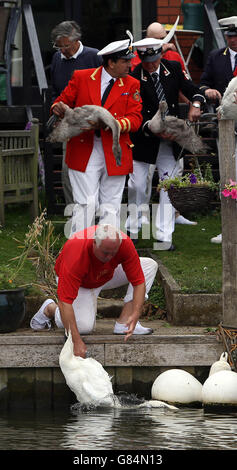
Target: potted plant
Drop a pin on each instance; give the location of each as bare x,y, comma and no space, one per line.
190,192
12,300
40,247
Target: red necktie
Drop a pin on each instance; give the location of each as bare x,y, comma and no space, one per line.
235,69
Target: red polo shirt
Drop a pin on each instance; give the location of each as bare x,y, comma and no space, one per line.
77,266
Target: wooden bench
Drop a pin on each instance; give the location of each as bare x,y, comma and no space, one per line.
19,168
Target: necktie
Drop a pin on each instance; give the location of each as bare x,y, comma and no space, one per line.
103,100
158,87
235,67
106,92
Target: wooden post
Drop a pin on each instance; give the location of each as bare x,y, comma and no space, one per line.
227,165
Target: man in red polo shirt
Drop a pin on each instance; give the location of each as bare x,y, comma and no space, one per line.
96,258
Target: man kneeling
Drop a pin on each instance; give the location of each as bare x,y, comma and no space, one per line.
99,257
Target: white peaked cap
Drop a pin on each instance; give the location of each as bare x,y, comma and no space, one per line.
229,25
231,21
121,48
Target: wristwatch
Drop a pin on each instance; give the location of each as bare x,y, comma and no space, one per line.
196,105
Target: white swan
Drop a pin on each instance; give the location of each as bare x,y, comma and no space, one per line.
228,105
222,364
91,383
85,377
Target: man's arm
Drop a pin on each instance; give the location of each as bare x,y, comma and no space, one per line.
69,322
134,308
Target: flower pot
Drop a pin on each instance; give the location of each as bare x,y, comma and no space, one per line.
12,309
190,199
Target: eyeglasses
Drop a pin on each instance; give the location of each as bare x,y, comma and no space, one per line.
58,48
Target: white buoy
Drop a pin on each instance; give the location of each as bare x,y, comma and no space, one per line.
220,389
178,387
222,364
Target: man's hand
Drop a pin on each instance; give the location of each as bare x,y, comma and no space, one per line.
69,323
59,109
79,348
212,94
131,324
194,114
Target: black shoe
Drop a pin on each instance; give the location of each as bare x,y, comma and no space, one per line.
164,246
133,237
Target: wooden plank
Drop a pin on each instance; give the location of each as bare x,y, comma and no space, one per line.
35,356
229,222
168,355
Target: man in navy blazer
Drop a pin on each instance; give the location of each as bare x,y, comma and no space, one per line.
220,68
153,149
221,63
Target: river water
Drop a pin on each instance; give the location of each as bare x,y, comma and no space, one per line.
116,429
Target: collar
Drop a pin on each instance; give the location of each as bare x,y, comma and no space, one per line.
74,56
232,53
156,71
105,76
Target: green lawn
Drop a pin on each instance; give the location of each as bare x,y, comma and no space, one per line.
196,264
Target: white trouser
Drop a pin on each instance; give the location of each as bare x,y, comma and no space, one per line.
138,189
95,191
85,304
167,167
67,188
139,193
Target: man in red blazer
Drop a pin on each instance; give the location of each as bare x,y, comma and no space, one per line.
97,182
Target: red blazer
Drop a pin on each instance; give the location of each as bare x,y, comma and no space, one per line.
124,103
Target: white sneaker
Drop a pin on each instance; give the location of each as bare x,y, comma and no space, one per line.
217,239
121,329
39,321
144,220
181,220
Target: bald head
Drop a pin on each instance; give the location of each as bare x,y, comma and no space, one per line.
156,30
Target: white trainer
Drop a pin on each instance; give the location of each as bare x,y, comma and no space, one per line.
39,321
181,220
121,329
217,239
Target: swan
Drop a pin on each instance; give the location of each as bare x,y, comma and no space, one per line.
92,385
222,364
85,377
228,105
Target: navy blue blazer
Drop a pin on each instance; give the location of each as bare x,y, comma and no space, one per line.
217,72
146,145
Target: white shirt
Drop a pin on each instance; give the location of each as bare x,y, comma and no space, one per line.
74,56
232,58
105,79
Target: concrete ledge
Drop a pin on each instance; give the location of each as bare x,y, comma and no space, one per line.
42,350
188,309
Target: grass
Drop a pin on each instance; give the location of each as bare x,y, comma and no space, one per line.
196,264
